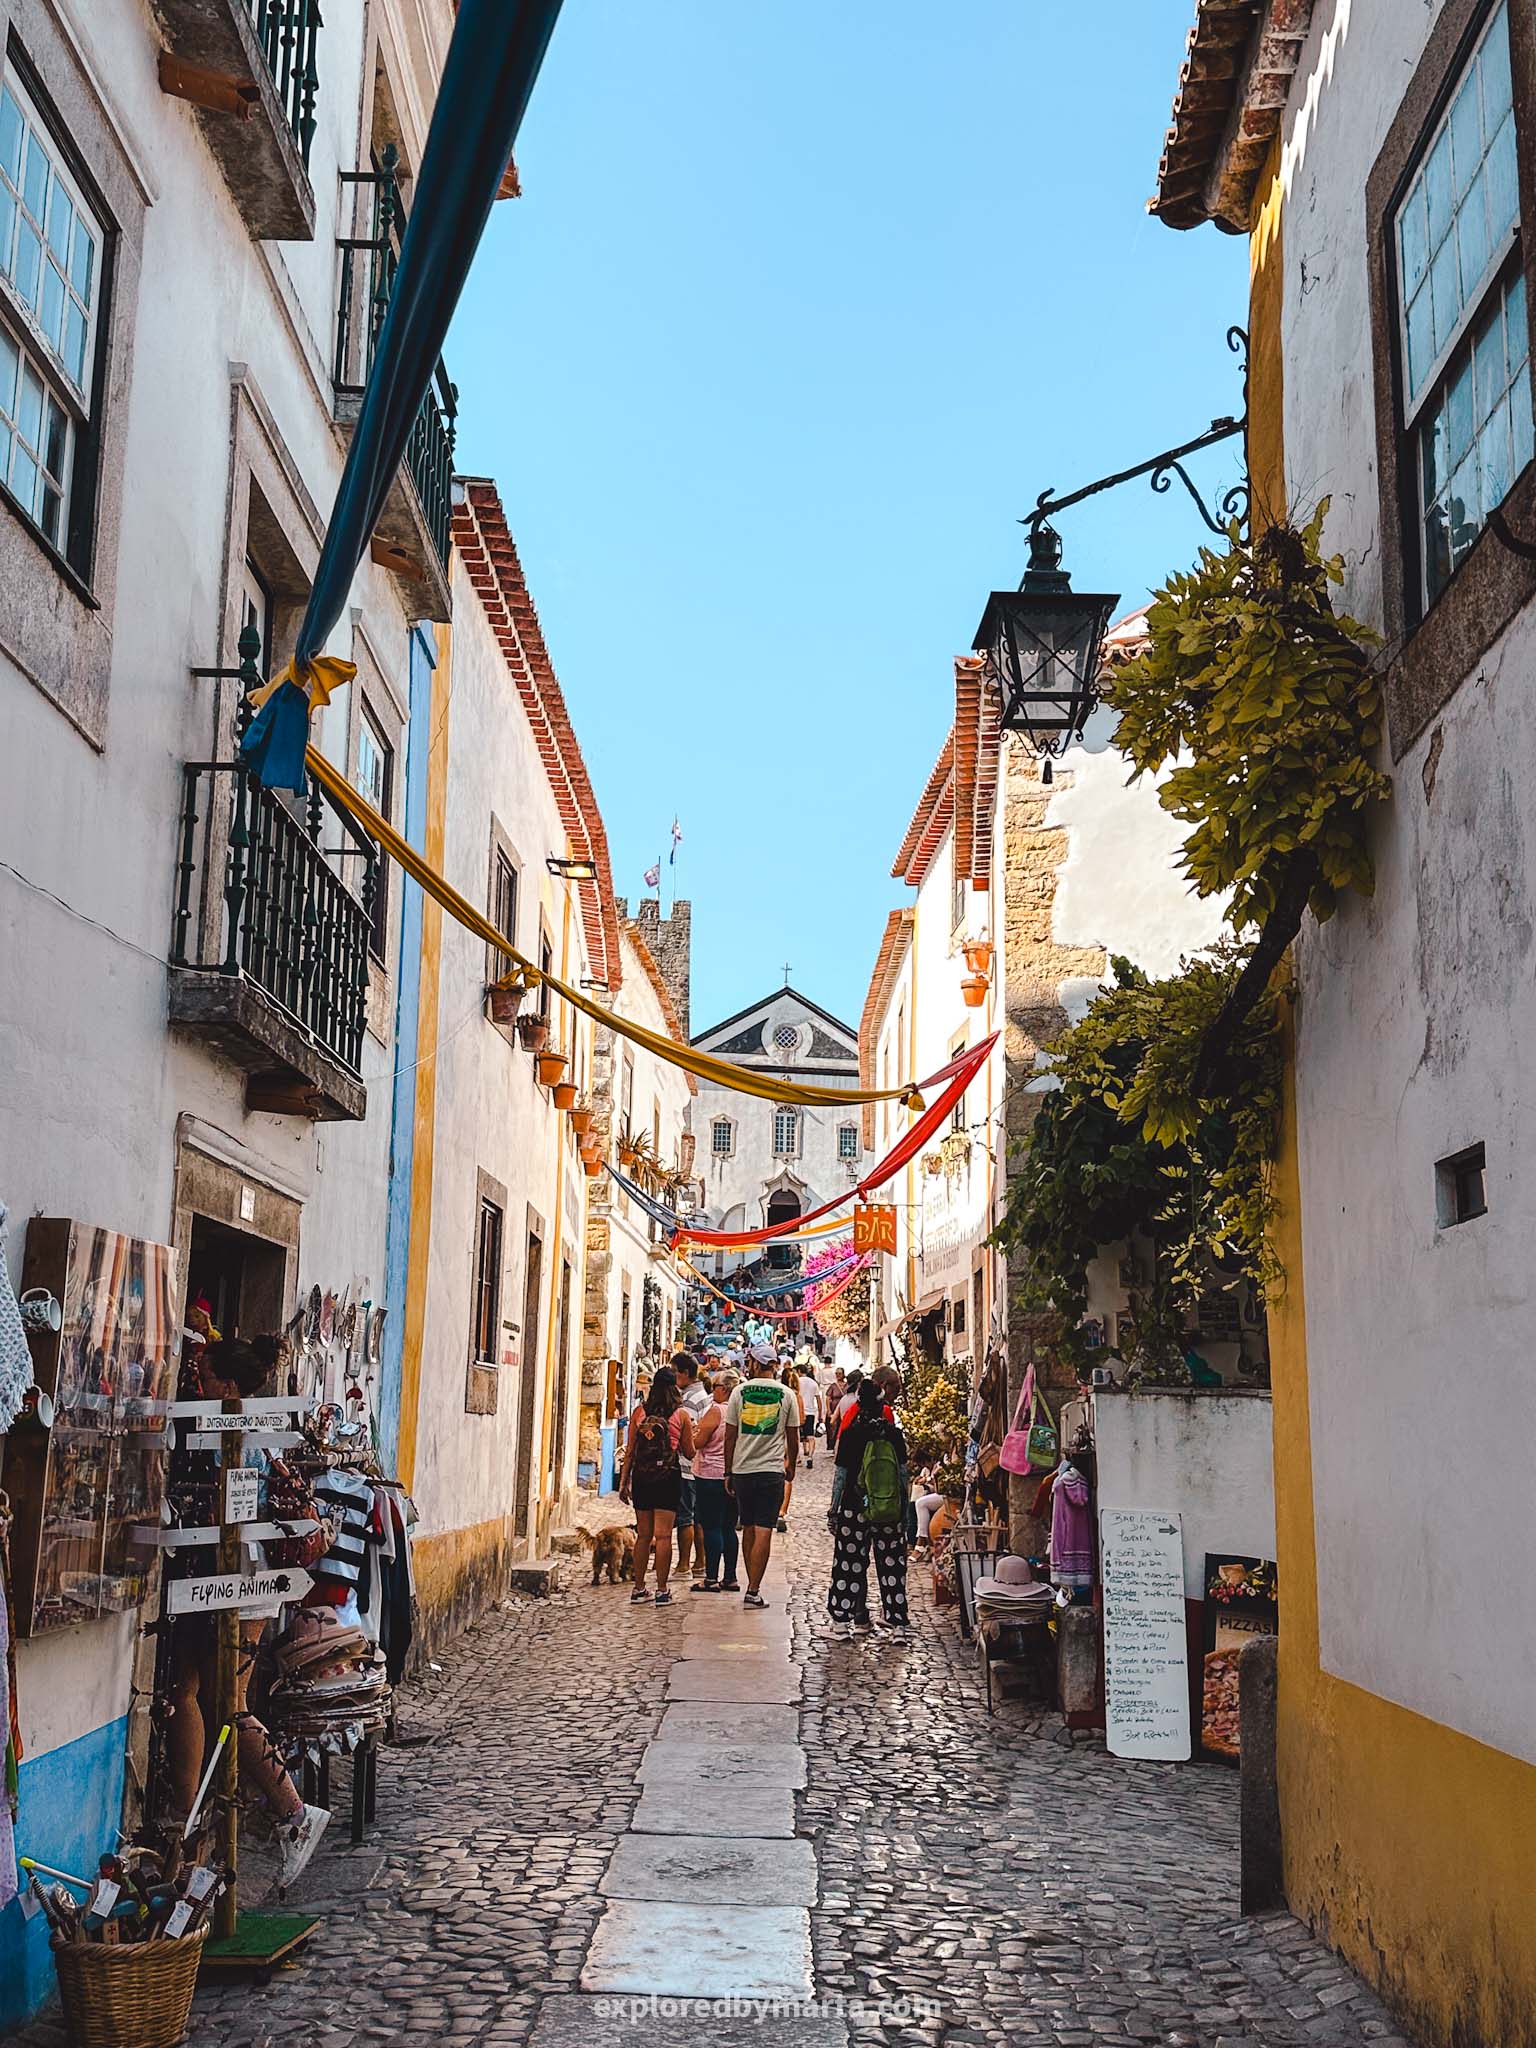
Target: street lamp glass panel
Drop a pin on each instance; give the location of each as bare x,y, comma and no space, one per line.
1043,650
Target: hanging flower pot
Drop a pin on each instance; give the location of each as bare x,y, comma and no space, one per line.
549,1066
974,990
978,955
533,1030
933,1165
591,1164
506,1001
565,1095
581,1120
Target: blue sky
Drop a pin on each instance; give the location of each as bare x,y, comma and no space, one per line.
803,305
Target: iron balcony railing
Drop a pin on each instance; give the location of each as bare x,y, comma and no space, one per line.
260,894
368,266
287,30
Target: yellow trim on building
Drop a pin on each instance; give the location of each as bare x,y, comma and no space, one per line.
426,1068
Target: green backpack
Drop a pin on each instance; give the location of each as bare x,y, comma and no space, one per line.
880,1482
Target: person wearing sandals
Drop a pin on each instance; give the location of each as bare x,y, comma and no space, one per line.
660,1437
712,1504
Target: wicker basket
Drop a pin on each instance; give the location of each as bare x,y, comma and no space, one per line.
132,1995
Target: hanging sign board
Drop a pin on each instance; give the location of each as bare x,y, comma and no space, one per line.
225,1590
874,1227
242,1493
1146,1657
266,1411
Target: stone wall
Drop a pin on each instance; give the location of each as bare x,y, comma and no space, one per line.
670,942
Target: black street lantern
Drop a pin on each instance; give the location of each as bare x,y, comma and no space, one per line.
1043,644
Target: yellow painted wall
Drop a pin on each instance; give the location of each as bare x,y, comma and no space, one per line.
1409,1847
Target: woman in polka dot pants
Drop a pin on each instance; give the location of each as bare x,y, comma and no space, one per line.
854,1535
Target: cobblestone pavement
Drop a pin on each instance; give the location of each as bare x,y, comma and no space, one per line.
1034,1888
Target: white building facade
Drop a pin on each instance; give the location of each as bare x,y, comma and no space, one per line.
763,1162
201,1050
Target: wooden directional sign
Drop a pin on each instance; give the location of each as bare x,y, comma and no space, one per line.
242,1493
874,1227
229,1589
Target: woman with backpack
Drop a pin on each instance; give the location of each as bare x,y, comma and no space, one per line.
869,1512
660,1437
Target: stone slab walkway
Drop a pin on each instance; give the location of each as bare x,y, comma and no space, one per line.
602,1782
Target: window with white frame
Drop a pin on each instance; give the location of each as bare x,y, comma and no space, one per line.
722,1137
785,1132
1461,295
847,1141
375,781
51,242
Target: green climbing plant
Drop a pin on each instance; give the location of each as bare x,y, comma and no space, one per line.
1124,1145
1261,702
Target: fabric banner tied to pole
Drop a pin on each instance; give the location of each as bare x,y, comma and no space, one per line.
493,61
962,1072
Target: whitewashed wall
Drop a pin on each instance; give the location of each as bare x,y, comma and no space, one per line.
1414,1035
1208,1458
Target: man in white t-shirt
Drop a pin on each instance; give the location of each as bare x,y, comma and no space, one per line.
810,1409
690,1537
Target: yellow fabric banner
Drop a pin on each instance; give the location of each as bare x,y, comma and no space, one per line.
723,1073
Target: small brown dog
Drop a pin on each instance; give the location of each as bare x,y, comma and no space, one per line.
613,1551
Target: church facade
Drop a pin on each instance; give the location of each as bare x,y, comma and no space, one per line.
765,1162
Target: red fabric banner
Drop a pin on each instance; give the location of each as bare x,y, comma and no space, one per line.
957,1077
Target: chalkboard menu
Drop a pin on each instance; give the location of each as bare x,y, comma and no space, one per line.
1146,1666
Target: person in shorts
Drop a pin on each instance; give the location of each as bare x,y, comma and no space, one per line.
762,1443
808,1393
660,1437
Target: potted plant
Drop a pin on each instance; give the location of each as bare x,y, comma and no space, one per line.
933,1165
635,1152
564,1095
549,1066
582,1114
592,1165
974,991
506,999
955,1151
978,955
533,1030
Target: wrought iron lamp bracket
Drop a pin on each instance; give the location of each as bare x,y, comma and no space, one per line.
1234,503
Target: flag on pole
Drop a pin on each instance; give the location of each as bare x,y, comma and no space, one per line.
677,840
652,876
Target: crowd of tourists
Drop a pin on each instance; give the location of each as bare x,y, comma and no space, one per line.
710,1460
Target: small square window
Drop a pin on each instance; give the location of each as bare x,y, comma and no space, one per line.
848,1141
721,1137
1461,1187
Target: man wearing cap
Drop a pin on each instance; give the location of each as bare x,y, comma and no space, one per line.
762,1443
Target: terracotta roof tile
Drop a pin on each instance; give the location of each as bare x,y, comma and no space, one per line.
1241,58
930,821
486,547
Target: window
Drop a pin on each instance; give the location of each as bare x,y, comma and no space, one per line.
784,1133
1461,1187
375,781
786,1037
847,1141
722,1137
502,906
957,1114
627,1093
487,1303
1463,336
956,898
547,963
51,244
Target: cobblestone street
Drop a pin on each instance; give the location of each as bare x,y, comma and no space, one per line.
1036,1890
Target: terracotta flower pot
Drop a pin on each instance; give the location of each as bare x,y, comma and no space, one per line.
549,1066
533,1030
592,1165
505,1003
565,1095
974,990
581,1121
627,1156
978,955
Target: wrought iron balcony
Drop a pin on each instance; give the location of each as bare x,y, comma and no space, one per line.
413,534
251,68
270,935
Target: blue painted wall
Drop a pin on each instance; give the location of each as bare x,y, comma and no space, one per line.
71,1807
402,1136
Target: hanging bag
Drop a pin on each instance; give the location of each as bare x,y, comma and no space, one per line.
1031,1444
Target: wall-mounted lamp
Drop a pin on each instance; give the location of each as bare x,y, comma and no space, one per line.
572,870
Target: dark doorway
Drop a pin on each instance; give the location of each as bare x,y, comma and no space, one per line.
783,1208
239,1275
562,1380
533,1274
